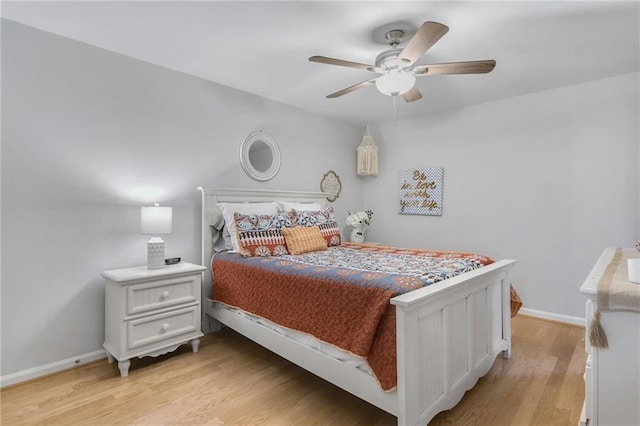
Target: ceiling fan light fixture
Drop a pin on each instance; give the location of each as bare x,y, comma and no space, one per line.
396,67
395,82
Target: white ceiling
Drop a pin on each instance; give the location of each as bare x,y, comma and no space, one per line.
262,47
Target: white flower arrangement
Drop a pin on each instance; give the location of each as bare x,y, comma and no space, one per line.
359,218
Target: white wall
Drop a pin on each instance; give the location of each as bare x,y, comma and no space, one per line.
548,178
82,128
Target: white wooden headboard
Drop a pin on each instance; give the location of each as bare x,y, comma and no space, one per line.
211,213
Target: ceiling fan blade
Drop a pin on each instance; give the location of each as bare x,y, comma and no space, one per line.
340,62
426,36
469,67
412,95
350,89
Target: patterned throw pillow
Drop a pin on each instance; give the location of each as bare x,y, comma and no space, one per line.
228,209
261,235
323,219
304,239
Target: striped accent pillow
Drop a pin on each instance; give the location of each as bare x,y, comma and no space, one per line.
261,235
303,239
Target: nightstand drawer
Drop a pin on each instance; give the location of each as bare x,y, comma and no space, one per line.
167,326
158,294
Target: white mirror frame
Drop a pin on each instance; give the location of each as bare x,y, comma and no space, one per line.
245,161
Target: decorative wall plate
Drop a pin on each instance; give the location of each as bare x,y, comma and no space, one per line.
330,184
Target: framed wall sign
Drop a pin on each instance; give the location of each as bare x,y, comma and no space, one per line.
420,191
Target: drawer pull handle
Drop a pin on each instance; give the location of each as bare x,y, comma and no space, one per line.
164,295
165,327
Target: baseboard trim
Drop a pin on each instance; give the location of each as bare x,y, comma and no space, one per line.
551,316
54,367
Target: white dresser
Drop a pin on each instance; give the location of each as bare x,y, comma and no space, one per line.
612,376
149,312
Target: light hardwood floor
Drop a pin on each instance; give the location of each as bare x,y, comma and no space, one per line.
233,381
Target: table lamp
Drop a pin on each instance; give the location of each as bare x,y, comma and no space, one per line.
155,221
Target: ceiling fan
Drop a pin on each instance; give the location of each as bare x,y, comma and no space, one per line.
396,66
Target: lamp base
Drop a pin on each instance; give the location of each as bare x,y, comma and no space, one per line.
155,253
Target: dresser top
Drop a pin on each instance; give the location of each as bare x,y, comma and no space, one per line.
142,272
589,287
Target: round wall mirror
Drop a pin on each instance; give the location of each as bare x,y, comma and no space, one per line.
260,156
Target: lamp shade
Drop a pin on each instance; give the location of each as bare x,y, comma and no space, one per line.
155,220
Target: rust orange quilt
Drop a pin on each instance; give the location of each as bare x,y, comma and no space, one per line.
340,295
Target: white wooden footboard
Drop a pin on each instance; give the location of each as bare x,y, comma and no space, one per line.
448,336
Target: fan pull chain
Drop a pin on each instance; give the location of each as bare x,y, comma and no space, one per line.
395,106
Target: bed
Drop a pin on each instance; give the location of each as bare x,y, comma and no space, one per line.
447,335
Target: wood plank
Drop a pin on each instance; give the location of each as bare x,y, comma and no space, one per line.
233,381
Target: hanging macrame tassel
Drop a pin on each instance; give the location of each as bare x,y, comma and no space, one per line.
597,336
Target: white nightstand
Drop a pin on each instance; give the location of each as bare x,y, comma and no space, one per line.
149,312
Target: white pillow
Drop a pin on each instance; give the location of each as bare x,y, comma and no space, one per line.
228,209
287,206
